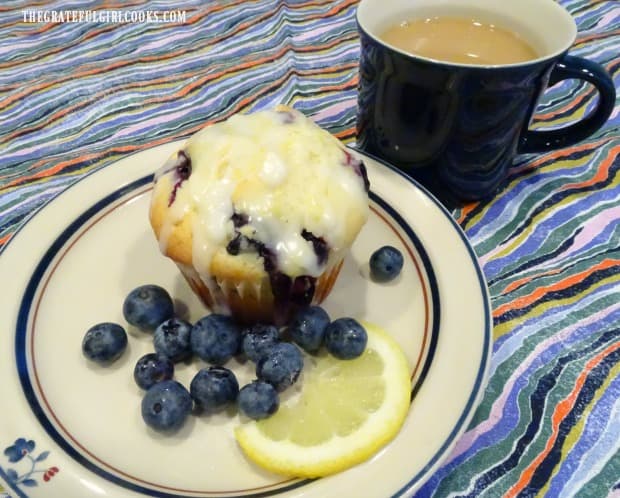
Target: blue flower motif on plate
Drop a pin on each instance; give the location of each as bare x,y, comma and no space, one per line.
19,450
23,450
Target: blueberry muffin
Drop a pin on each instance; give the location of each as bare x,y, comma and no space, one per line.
259,211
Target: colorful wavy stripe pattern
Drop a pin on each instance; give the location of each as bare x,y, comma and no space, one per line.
76,97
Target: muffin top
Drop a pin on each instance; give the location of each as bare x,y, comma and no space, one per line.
271,183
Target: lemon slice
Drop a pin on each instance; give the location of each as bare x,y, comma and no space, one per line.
345,412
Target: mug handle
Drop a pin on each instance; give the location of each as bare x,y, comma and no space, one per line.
571,67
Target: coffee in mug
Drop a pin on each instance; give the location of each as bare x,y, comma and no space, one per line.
459,39
456,127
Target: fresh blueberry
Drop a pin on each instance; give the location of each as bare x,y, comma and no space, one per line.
385,264
307,328
172,339
258,400
280,365
104,342
257,339
215,338
166,405
152,368
345,338
147,306
214,388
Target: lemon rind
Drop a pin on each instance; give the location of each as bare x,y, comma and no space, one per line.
332,457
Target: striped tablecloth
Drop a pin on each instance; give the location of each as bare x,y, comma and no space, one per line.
77,96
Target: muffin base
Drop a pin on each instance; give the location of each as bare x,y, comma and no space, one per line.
252,301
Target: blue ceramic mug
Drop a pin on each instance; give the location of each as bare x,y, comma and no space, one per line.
457,127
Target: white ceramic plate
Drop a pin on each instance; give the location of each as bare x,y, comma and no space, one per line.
71,429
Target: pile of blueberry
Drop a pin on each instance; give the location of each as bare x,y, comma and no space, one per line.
216,339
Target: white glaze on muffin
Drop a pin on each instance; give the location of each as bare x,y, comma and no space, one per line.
270,188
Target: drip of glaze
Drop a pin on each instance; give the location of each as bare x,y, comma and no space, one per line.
289,293
239,244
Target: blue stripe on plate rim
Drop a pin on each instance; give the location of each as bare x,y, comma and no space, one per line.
74,226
